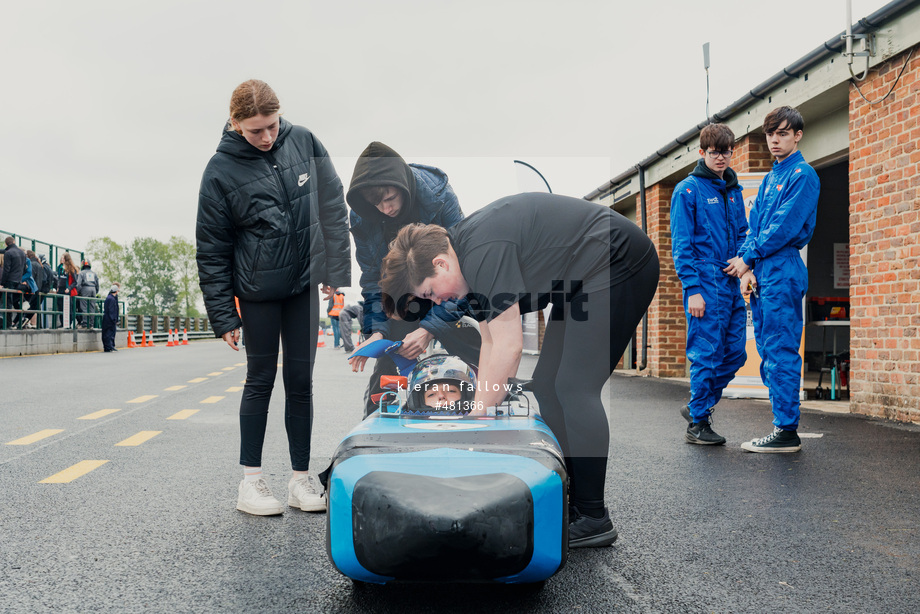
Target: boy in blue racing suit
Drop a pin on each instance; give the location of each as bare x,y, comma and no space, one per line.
707,228
782,222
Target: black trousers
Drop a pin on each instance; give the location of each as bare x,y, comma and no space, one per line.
13,301
581,348
108,334
296,321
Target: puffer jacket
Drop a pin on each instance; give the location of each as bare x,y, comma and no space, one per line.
427,199
270,224
14,266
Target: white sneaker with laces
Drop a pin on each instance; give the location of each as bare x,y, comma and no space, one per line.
305,492
256,498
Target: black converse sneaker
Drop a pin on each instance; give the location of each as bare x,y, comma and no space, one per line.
776,442
702,433
588,532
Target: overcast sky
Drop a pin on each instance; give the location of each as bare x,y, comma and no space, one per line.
111,110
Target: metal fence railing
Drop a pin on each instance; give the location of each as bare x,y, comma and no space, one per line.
51,311
58,311
52,251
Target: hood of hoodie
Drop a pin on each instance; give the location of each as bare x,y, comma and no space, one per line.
730,177
234,144
379,165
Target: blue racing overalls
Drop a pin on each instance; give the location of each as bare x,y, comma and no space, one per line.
707,227
782,222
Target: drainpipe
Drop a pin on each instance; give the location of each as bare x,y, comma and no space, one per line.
642,203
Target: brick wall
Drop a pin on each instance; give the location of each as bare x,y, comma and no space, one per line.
667,328
752,154
884,250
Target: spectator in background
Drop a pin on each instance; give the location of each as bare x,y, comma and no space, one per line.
38,281
87,287
336,304
67,285
48,286
110,319
349,314
14,267
29,290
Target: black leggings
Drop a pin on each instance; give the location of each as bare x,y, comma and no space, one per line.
296,320
578,355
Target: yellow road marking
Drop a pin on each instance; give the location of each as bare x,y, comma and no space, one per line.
240,364
197,380
215,373
146,397
182,415
98,414
242,381
72,473
176,387
212,399
24,441
228,368
136,440
234,388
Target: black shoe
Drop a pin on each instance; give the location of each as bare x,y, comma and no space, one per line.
776,442
587,532
685,412
702,433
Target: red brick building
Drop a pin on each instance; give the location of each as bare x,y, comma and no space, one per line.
861,136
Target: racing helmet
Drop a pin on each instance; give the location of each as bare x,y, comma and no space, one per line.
441,369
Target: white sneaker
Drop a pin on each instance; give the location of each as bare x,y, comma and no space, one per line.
256,498
306,493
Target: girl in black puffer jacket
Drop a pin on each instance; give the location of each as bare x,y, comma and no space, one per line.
272,225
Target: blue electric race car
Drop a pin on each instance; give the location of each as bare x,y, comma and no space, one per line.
427,492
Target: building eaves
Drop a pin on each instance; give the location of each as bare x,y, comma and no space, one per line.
829,48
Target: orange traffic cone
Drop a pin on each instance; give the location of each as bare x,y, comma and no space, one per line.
143,338
320,343
131,343
169,339
150,342
184,336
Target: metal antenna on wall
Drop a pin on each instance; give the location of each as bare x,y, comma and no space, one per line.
866,40
706,66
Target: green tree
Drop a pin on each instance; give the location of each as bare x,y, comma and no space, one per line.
186,276
152,288
156,277
110,261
